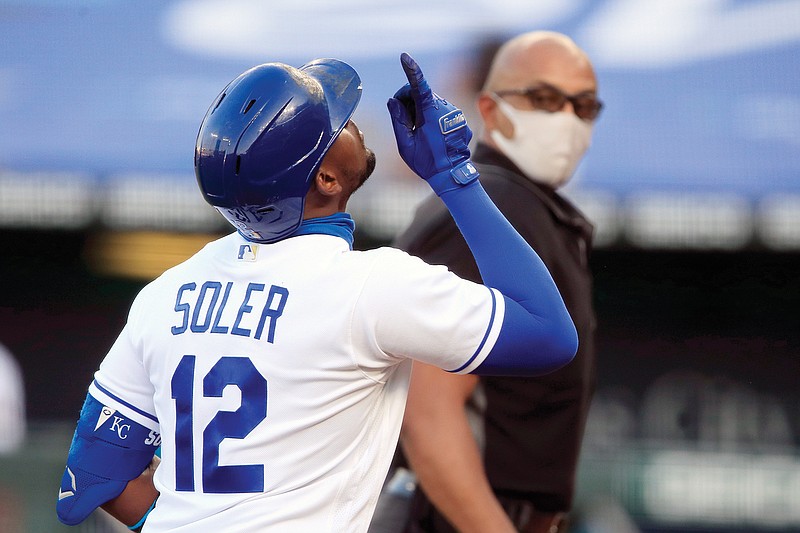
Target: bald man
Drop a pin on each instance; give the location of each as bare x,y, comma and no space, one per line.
499,454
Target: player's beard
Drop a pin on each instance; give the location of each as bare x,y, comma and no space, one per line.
367,170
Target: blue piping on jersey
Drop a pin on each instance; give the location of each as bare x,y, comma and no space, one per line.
337,224
485,336
123,402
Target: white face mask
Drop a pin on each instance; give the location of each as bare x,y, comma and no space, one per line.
546,146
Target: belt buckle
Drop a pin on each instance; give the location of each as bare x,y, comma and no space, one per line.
559,519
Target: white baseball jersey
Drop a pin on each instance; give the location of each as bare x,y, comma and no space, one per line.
277,376
12,403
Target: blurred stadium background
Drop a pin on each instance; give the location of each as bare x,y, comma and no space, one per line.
693,182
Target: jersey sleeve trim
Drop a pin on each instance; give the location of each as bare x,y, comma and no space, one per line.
104,395
489,338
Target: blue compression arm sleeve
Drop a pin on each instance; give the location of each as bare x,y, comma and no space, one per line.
536,320
108,450
537,335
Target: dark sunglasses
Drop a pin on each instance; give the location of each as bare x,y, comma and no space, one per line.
551,99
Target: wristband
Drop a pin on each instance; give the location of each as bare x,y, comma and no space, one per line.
455,178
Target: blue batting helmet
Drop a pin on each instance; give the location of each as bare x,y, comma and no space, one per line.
264,137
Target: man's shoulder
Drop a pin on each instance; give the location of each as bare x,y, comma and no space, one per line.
494,170
507,188
384,257
432,224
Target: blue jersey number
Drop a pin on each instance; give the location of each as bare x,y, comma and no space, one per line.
238,371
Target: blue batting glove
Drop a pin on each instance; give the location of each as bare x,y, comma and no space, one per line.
432,135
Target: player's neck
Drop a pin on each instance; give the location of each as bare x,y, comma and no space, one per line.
318,205
337,224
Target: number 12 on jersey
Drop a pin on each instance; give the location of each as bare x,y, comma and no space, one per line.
228,479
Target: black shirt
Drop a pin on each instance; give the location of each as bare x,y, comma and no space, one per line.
531,427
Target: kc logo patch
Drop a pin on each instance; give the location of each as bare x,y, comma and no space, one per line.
119,428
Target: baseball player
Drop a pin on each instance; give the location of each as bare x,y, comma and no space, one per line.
272,367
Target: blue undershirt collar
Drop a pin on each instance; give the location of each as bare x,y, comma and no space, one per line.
337,224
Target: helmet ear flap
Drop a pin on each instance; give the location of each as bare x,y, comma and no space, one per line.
264,137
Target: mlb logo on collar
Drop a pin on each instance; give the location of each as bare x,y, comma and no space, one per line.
247,252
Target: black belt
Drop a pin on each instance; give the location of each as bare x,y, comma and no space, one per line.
528,519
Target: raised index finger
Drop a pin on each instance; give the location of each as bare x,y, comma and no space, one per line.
420,90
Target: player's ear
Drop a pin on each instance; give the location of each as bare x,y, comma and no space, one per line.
327,182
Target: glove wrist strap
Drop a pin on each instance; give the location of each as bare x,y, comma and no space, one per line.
455,178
